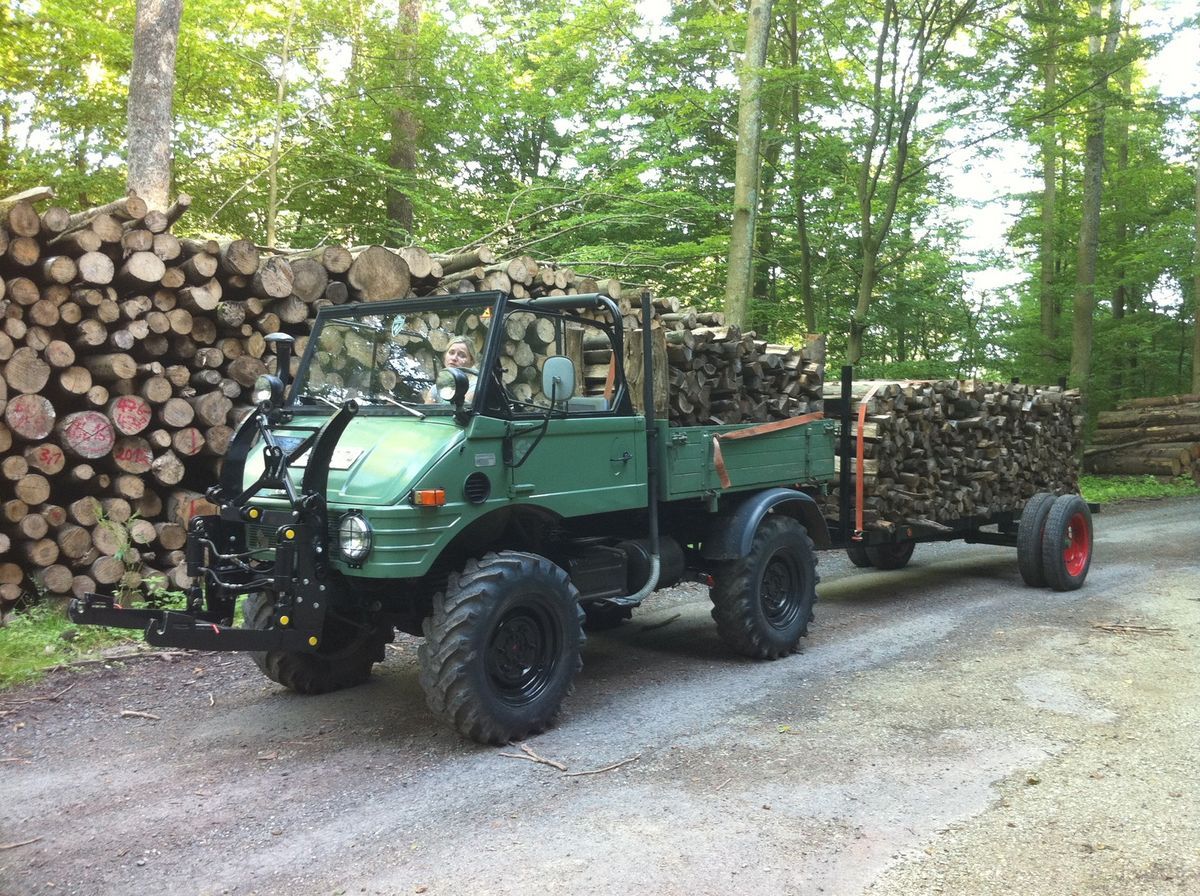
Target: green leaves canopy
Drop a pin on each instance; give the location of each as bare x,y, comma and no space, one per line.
580,131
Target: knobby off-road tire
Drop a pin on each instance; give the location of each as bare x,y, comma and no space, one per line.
1067,543
762,603
502,647
343,659
1029,539
891,555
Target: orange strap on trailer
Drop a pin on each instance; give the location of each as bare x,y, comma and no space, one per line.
858,464
858,452
761,430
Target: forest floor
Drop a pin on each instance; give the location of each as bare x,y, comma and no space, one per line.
945,730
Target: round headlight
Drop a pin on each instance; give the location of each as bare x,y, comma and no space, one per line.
354,537
267,388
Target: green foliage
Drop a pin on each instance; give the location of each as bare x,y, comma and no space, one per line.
1112,489
41,637
573,130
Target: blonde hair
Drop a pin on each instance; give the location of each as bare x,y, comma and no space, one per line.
465,342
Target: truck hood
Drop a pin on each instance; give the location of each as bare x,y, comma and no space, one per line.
377,461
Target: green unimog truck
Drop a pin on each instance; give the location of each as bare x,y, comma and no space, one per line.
492,510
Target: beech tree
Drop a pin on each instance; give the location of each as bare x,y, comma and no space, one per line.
911,48
739,282
1196,277
1102,46
151,90
405,125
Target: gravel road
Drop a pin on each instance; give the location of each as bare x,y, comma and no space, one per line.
945,730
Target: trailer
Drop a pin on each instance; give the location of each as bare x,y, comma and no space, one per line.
385,488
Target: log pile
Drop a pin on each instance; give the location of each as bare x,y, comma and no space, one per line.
720,375
127,355
716,373
1148,436
936,452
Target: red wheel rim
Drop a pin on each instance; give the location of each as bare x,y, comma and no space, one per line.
1077,545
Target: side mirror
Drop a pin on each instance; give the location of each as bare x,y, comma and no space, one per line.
451,385
558,378
283,343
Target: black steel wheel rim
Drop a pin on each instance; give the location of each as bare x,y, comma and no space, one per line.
522,655
780,591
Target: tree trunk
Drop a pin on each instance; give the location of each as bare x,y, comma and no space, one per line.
739,280
151,87
1196,277
277,140
1047,298
404,125
1089,225
798,193
1119,180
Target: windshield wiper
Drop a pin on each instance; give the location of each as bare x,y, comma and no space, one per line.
401,405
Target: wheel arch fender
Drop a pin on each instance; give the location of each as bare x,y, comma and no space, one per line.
731,534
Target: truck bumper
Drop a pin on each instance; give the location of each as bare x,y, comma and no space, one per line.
295,577
172,628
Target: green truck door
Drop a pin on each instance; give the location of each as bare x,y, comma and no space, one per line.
583,465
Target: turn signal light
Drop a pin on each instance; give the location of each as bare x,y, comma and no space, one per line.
429,497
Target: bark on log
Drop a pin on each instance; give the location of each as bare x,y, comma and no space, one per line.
131,208
239,258
273,279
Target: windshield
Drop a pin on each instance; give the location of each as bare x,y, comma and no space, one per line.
392,357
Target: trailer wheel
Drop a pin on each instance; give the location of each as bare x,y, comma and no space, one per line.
762,603
502,647
1029,538
858,555
892,554
1067,543
343,660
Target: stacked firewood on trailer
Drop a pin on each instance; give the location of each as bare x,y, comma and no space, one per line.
1148,436
937,452
127,355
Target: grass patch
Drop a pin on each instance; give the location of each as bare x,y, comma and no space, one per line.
1110,489
40,637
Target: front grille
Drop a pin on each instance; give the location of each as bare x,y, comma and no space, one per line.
260,537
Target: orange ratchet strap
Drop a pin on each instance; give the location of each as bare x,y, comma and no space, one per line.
858,453
858,464
719,460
